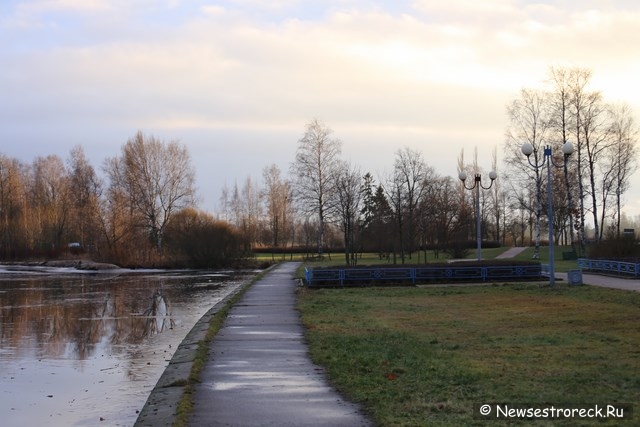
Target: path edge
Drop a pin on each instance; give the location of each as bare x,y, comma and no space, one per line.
161,406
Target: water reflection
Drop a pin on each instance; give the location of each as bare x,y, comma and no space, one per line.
74,335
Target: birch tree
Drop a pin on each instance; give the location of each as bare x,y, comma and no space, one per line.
528,123
316,163
595,142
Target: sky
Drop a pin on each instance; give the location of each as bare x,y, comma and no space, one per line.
236,81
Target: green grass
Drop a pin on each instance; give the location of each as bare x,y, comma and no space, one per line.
334,259
424,356
560,264
337,259
273,257
489,253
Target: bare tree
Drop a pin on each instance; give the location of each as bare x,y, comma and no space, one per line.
573,114
565,87
438,213
394,189
348,203
159,181
13,208
49,200
529,122
595,131
119,220
234,206
578,80
622,158
85,191
517,214
248,205
411,174
277,199
316,164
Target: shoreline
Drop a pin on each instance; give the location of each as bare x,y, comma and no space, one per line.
160,408
78,264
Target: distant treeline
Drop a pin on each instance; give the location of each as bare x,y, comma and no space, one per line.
142,215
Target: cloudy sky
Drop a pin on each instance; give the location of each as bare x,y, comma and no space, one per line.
237,80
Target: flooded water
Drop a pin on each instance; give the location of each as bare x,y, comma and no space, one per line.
87,349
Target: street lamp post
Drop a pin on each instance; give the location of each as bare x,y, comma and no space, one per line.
567,150
477,184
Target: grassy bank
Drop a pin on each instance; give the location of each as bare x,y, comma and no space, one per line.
424,356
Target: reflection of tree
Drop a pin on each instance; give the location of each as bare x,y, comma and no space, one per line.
76,317
157,318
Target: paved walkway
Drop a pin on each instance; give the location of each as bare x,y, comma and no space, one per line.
511,252
587,279
606,281
259,373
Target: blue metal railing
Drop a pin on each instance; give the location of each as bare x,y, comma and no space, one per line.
607,266
413,275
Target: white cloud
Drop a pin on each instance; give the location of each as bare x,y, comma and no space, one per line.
36,7
458,8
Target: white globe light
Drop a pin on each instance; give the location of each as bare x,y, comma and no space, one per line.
567,148
527,149
493,175
462,175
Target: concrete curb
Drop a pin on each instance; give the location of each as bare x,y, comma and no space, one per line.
161,405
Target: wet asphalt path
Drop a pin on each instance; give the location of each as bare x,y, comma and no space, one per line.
259,373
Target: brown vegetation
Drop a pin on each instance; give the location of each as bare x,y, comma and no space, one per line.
49,210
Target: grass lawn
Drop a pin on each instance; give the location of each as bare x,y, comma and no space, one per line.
423,356
337,259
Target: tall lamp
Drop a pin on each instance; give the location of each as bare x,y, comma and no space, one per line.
477,184
567,150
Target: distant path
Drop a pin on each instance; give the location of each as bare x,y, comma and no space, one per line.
511,252
625,283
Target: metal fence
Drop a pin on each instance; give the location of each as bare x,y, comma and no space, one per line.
609,267
414,275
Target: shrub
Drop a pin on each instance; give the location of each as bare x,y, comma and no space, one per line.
458,250
200,241
622,248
